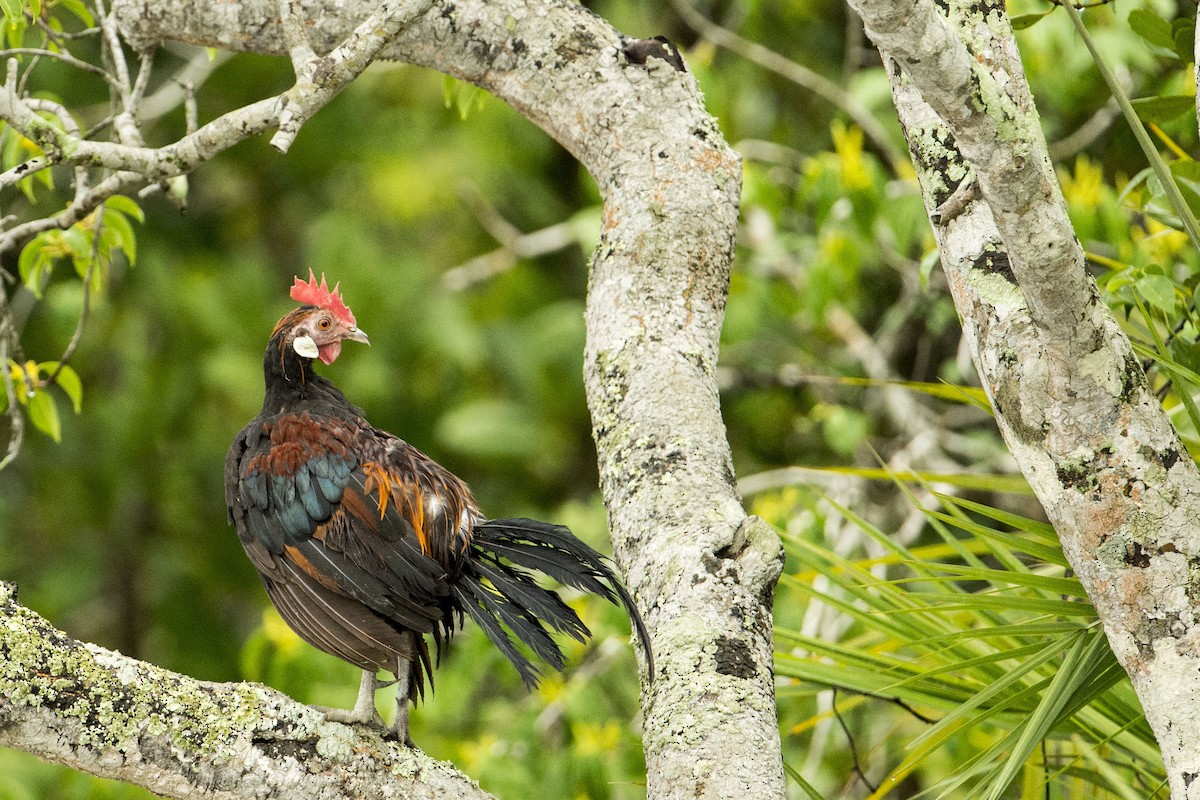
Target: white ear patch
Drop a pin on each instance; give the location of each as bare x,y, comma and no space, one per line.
305,346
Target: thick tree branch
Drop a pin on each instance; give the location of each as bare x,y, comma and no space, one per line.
110,715
997,130
1069,393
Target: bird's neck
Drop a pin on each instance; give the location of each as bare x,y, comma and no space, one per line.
291,381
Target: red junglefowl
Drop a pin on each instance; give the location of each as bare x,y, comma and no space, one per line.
366,546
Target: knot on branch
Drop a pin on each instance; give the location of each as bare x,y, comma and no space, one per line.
639,51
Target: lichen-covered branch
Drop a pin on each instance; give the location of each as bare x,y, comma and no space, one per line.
996,129
104,713
1069,395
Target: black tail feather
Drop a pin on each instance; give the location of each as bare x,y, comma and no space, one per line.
481,605
515,601
542,604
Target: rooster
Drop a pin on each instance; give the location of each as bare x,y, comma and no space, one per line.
368,548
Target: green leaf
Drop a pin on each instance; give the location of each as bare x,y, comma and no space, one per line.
80,10
1134,182
470,98
1163,108
954,393
1184,31
15,32
67,380
122,235
1013,484
77,241
27,261
12,10
43,413
1185,353
35,261
1066,682
1153,28
119,202
1159,291
1187,219
1023,21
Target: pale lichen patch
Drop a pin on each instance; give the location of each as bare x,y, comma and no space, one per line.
1103,367
996,291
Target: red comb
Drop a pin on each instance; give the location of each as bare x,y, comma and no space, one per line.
318,294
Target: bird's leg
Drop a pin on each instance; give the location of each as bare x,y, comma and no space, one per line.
364,712
364,704
404,667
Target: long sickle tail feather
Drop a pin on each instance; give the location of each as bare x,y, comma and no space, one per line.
502,549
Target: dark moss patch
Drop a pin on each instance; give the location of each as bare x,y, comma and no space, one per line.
997,263
1075,474
1136,556
300,750
733,658
1133,379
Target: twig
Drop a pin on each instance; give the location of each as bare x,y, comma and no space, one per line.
167,97
191,113
954,205
58,37
16,420
134,165
86,304
24,170
1085,134
796,73
71,127
112,37
319,80
77,210
502,259
65,57
852,746
145,68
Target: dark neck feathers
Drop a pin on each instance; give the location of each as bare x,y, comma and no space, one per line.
291,382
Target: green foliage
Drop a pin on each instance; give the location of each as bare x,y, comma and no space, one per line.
978,650
32,382
119,535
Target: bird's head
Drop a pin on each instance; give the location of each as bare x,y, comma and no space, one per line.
318,328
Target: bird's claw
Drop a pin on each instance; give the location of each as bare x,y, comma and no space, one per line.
353,716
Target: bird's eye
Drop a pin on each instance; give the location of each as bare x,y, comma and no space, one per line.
324,323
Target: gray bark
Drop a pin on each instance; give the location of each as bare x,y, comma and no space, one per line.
702,571
1068,391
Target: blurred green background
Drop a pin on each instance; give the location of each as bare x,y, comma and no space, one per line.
118,535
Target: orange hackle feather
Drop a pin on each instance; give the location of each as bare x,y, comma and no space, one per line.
319,294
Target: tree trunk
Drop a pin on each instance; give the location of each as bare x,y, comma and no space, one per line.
1067,388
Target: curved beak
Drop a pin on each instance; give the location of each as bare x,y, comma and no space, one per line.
356,335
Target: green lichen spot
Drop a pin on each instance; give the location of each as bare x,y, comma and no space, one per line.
995,290
1102,367
1075,472
336,742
